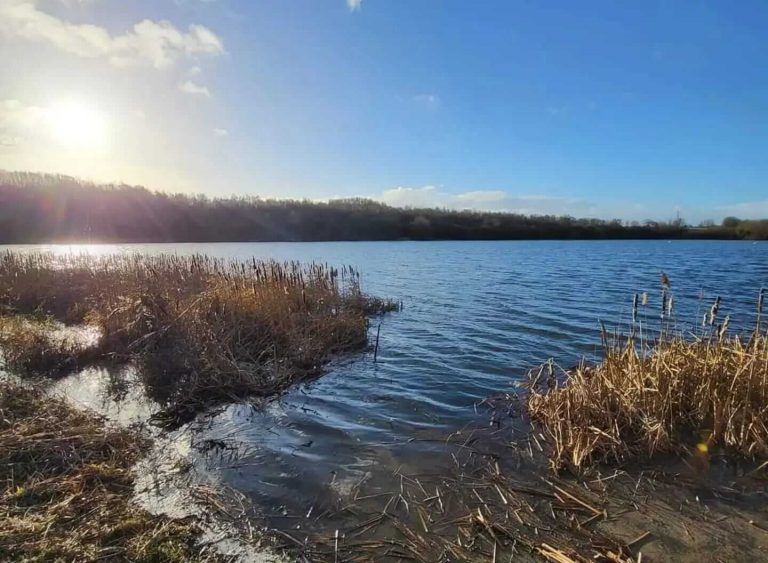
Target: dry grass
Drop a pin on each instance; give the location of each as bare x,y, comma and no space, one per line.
200,329
66,486
711,391
34,345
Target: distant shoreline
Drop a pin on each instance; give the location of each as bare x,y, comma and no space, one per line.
40,208
78,242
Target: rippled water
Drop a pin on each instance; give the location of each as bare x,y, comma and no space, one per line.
476,317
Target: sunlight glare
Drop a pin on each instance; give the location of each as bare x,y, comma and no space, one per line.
78,126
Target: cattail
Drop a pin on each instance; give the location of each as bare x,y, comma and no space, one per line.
713,311
724,327
664,280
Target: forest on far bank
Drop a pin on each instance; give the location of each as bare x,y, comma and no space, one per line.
42,208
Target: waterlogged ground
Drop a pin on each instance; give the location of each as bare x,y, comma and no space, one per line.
476,317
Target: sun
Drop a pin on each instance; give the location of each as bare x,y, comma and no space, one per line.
78,126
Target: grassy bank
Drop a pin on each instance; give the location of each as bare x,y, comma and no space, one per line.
199,329
709,392
66,488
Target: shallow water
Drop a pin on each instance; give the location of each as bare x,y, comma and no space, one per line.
476,317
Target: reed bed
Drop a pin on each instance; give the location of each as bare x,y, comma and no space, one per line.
708,391
66,488
200,329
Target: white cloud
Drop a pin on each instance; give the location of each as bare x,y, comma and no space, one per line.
18,121
195,71
540,204
194,89
220,133
500,200
354,5
154,43
429,101
746,210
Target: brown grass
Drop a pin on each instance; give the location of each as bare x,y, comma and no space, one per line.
200,329
66,487
39,345
711,391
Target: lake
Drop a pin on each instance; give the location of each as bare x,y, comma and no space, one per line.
476,317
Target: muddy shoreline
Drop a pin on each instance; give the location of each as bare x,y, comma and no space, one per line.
491,492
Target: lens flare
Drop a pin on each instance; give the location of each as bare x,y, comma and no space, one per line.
78,126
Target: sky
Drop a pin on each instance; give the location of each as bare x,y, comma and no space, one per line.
612,109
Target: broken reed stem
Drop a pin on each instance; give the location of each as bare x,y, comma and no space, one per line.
376,347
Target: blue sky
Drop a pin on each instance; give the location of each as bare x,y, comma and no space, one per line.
609,109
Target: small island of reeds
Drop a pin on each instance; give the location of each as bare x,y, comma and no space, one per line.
199,330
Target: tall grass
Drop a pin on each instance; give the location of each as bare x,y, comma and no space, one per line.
199,328
709,391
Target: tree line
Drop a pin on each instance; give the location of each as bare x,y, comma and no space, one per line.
38,208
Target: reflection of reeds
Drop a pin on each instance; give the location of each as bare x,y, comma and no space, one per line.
200,328
636,403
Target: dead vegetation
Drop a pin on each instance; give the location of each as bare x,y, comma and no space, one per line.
199,329
36,344
509,509
66,488
709,391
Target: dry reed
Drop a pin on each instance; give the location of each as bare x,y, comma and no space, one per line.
711,391
200,329
66,487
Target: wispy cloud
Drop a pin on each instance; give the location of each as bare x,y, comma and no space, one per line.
18,121
354,5
158,44
746,210
218,132
487,200
428,101
505,201
194,89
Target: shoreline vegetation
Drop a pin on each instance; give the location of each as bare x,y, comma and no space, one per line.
709,392
202,331
658,452
198,330
45,208
66,489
